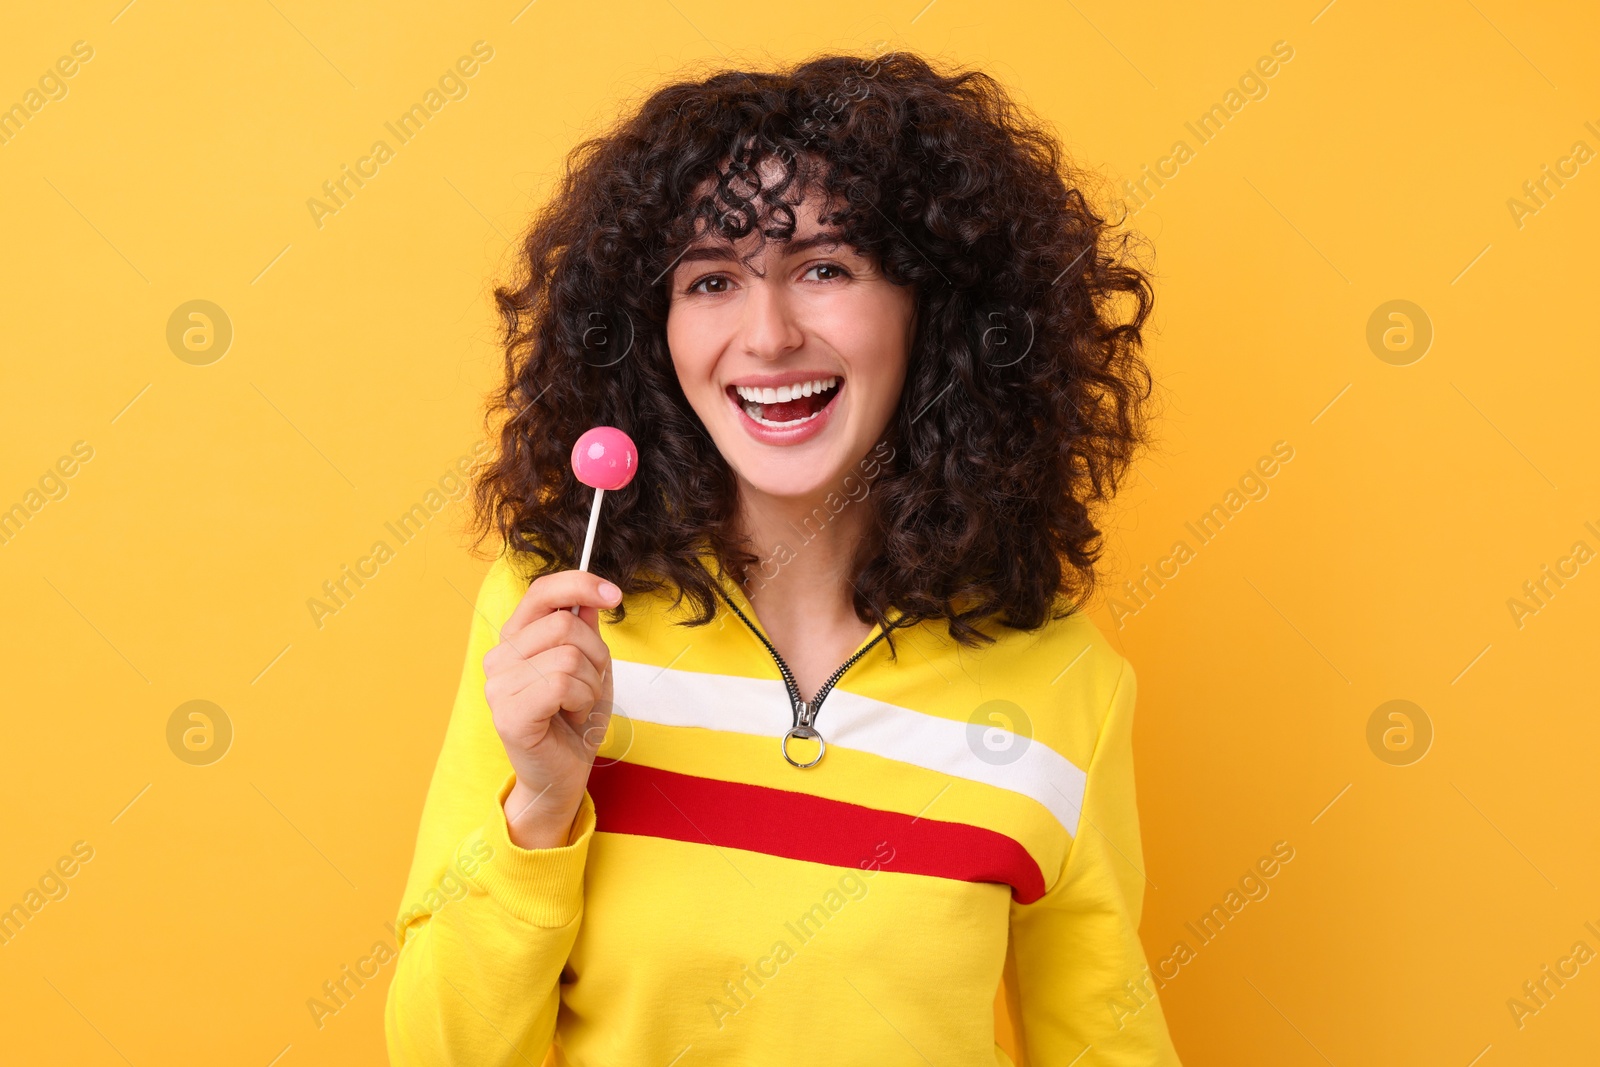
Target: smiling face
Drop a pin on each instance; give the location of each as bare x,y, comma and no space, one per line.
793,359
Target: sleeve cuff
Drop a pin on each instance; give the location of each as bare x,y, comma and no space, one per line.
542,886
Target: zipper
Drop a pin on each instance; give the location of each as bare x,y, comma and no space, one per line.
805,712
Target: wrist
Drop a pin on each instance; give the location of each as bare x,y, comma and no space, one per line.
534,823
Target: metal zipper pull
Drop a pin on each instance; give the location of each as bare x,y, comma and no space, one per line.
805,714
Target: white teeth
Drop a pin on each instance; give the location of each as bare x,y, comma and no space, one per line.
785,393
754,411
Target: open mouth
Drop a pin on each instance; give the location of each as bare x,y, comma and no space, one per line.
787,406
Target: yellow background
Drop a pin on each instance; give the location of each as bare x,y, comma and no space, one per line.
219,498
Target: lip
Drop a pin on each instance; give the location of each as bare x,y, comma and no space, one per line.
804,432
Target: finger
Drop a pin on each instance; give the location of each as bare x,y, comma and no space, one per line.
561,679
551,631
552,670
561,589
591,725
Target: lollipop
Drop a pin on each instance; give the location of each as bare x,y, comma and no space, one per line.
604,458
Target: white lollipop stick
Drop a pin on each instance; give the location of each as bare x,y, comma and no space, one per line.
588,537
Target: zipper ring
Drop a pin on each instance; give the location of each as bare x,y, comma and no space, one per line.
808,734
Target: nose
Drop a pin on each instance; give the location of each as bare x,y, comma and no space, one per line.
768,329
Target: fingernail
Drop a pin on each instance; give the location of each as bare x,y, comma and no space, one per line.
610,593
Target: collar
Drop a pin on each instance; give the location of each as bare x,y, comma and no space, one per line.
731,590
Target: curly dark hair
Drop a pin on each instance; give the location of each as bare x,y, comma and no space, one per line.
1024,398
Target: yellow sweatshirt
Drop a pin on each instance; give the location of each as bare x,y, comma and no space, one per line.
972,817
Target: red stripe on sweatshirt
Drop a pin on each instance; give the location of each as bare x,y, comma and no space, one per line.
630,798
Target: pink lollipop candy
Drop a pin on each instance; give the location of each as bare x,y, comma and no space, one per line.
604,458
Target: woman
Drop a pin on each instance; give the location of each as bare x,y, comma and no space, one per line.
880,358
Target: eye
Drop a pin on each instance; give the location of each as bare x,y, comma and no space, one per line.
711,283
830,271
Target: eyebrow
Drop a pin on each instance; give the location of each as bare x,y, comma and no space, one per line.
724,250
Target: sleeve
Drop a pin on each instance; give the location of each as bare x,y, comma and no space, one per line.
485,927
1085,994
